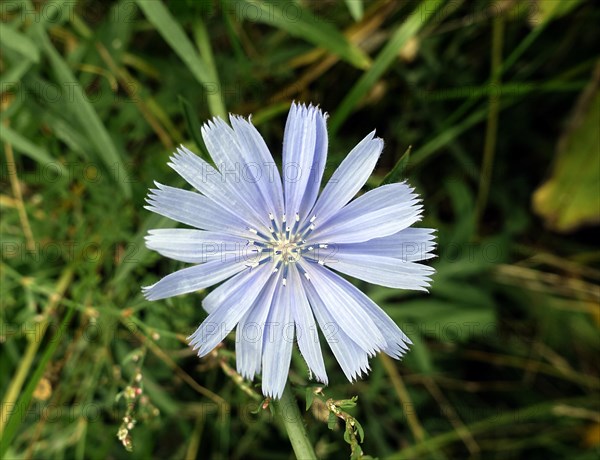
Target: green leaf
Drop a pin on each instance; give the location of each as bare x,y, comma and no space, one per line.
172,32
332,421
419,359
347,403
570,198
356,9
194,128
23,145
347,437
12,76
19,42
399,169
544,11
83,111
359,428
310,397
385,58
304,24
20,409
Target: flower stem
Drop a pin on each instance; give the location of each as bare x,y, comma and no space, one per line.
288,413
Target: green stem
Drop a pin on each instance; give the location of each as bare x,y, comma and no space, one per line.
288,414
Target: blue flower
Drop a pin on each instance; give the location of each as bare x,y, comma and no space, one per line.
277,245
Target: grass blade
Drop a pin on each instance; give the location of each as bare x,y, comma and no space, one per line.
194,128
397,172
160,17
388,54
19,42
24,400
23,145
356,9
303,24
83,111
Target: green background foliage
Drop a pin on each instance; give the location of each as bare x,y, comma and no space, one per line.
499,104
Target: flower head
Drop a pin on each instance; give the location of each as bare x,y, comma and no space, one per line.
279,243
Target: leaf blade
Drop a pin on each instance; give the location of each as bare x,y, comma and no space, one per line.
304,24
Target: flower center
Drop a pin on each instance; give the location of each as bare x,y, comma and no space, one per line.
285,244
286,250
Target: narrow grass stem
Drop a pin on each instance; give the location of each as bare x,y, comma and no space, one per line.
491,134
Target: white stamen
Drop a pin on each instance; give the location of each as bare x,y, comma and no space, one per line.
251,230
284,281
297,217
321,262
323,246
283,218
306,274
312,219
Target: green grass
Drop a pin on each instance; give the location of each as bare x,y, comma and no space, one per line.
479,107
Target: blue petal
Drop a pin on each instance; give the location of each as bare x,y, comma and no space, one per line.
260,168
193,278
299,144
350,316
222,292
382,270
348,178
396,341
193,209
231,159
277,343
197,246
353,360
313,185
221,321
408,245
306,329
378,213
223,191
250,332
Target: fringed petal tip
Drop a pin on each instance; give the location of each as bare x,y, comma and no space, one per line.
147,292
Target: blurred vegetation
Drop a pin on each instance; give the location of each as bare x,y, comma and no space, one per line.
499,101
